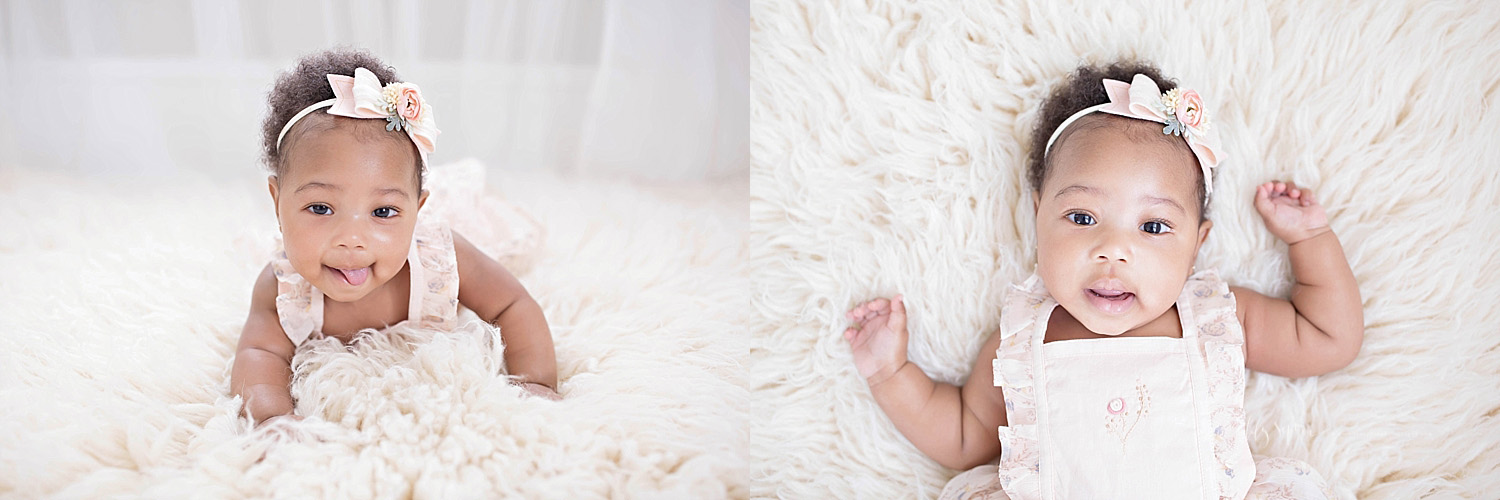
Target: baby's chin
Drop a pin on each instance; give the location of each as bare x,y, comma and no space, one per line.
337,295
1108,324
1105,326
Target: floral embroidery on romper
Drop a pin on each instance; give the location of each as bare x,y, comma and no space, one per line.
1118,412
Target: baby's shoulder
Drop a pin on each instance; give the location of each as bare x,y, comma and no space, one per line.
263,292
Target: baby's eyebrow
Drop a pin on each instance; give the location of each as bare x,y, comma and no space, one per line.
1156,200
332,187
1077,188
316,184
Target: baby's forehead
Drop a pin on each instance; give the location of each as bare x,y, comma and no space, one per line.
1108,135
319,123
316,133
1125,150
1137,132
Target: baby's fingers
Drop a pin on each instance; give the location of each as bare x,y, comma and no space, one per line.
857,313
867,309
870,310
1263,197
1270,190
1276,188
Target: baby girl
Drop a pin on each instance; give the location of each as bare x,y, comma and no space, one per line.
1119,368
347,144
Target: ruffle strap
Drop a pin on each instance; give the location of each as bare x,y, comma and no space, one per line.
299,305
1222,340
438,282
1014,374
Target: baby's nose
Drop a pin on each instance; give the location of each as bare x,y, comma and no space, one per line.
350,233
1112,249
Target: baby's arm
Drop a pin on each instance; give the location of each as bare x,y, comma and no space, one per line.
1320,330
262,373
485,287
955,426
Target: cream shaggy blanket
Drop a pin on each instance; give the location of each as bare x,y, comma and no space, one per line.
123,302
888,144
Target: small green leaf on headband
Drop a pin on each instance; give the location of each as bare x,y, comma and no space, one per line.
1173,128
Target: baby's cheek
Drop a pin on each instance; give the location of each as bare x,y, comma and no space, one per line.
394,258
300,258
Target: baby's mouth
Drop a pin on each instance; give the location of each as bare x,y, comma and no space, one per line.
1111,294
1111,301
354,277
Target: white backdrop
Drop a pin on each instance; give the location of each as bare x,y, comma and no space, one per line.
641,89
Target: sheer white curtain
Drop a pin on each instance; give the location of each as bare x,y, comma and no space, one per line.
639,89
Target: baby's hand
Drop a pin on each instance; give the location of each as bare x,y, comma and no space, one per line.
279,430
541,391
1290,212
290,417
878,338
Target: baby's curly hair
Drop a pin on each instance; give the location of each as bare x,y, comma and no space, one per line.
1081,90
306,84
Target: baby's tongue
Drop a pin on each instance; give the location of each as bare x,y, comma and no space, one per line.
356,277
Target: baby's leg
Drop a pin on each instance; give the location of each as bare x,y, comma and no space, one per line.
979,483
1286,478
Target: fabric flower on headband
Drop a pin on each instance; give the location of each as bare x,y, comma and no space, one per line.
403,103
1181,111
1185,114
399,103
362,96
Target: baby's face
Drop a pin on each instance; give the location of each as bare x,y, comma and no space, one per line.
1117,223
347,203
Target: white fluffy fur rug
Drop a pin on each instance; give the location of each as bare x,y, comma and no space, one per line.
888,151
123,302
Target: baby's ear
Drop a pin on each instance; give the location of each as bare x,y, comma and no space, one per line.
422,200
1203,231
271,184
275,198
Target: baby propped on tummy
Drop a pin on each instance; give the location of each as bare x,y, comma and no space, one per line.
347,145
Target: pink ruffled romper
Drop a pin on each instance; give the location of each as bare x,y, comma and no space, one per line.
1136,417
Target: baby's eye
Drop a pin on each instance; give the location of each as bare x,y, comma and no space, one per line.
385,212
320,209
1081,219
1156,227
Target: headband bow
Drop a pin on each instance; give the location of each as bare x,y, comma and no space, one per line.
361,96
1180,110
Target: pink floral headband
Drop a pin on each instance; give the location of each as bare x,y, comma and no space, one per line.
362,96
1181,110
